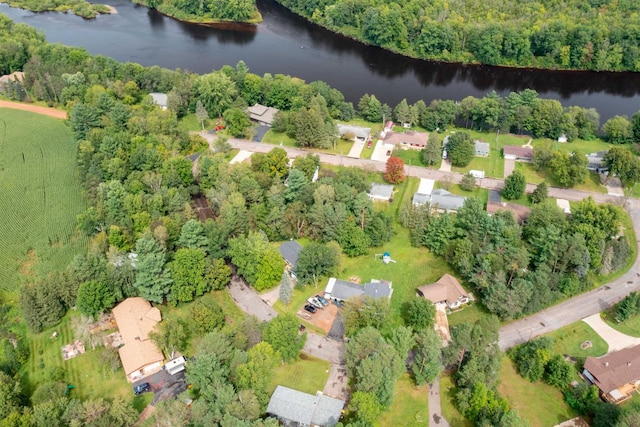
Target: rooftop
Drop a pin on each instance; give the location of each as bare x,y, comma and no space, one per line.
262,113
381,191
447,288
378,289
303,408
409,137
446,201
357,131
159,98
290,251
615,369
518,151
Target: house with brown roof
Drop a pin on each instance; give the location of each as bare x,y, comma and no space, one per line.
262,114
408,139
617,375
446,290
495,204
17,76
517,153
139,355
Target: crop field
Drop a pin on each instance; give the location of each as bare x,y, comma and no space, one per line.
40,196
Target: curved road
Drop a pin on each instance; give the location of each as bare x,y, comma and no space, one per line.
543,322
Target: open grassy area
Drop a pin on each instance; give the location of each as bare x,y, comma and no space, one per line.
40,198
470,314
567,341
540,404
631,326
87,372
341,147
493,166
306,374
409,157
449,411
410,405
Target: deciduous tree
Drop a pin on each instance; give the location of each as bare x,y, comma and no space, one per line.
395,170
514,186
282,334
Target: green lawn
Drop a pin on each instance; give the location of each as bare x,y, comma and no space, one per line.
87,372
470,313
629,231
447,397
341,147
493,166
540,404
631,326
567,341
410,405
40,198
409,157
307,374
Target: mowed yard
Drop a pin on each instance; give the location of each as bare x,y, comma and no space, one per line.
40,198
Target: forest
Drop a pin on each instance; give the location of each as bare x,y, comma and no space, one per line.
206,11
78,7
570,34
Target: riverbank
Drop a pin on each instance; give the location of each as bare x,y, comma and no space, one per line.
80,8
170,12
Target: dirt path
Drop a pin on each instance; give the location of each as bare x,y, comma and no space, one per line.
46,111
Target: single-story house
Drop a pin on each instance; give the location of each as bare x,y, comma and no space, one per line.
476,173
444,201
495,204
262,114
341,290
408,139
564,205
617,375
482,149
139,355
295,408
290,251
446,290
381,192
358,133
16,76
420,199
518,153
423,195
596,162
160,99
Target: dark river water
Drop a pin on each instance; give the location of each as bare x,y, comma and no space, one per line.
287,44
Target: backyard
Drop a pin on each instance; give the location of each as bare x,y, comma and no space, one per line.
307,374
410,406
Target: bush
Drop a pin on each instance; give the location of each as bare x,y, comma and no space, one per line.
468,182
628,307
531,358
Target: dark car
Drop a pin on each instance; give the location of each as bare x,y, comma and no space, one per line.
302,328
388,152
322,300
311,309
141,388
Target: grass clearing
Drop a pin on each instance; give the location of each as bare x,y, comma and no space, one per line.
40,198
567,341
87,372
449,411
538,403
470,314
307,374
631,326
410,405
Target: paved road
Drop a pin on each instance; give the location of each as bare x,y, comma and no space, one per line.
547,320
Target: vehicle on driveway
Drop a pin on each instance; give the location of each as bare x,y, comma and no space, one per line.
322,300
141,388
369,144
388,152
314,302
311,309
302,328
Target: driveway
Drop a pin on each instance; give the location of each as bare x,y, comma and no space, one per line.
271,296
380,152
164,385
445,166
249,301
616,340
336,385
324,348
261,130
435,408
509,167
356,149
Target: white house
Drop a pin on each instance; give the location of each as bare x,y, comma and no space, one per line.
482,149
358,133
381,192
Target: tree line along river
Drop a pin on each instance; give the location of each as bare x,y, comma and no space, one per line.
287,44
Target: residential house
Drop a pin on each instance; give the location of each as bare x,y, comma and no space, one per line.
341,290
381,192
447,290
290,250
420,199
357,133
408,139
444,201
518,153
294,408
596,162
160,99
495,204
564,205
139,355
423,195
17,76
482,149
617,375
262,114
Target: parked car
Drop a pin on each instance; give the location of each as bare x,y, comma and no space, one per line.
311,309
369,144
141,388
314,302
302,328
388,152
322,300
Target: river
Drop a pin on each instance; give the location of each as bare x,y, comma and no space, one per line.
287,44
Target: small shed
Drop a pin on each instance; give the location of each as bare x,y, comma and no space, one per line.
175,365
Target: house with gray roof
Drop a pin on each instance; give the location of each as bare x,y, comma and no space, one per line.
482,149
444,201
160,99
262,114
295,408
290,250
596,162
381,192
420,199
341,290
357,133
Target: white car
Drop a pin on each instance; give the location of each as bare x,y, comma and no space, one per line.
314,302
